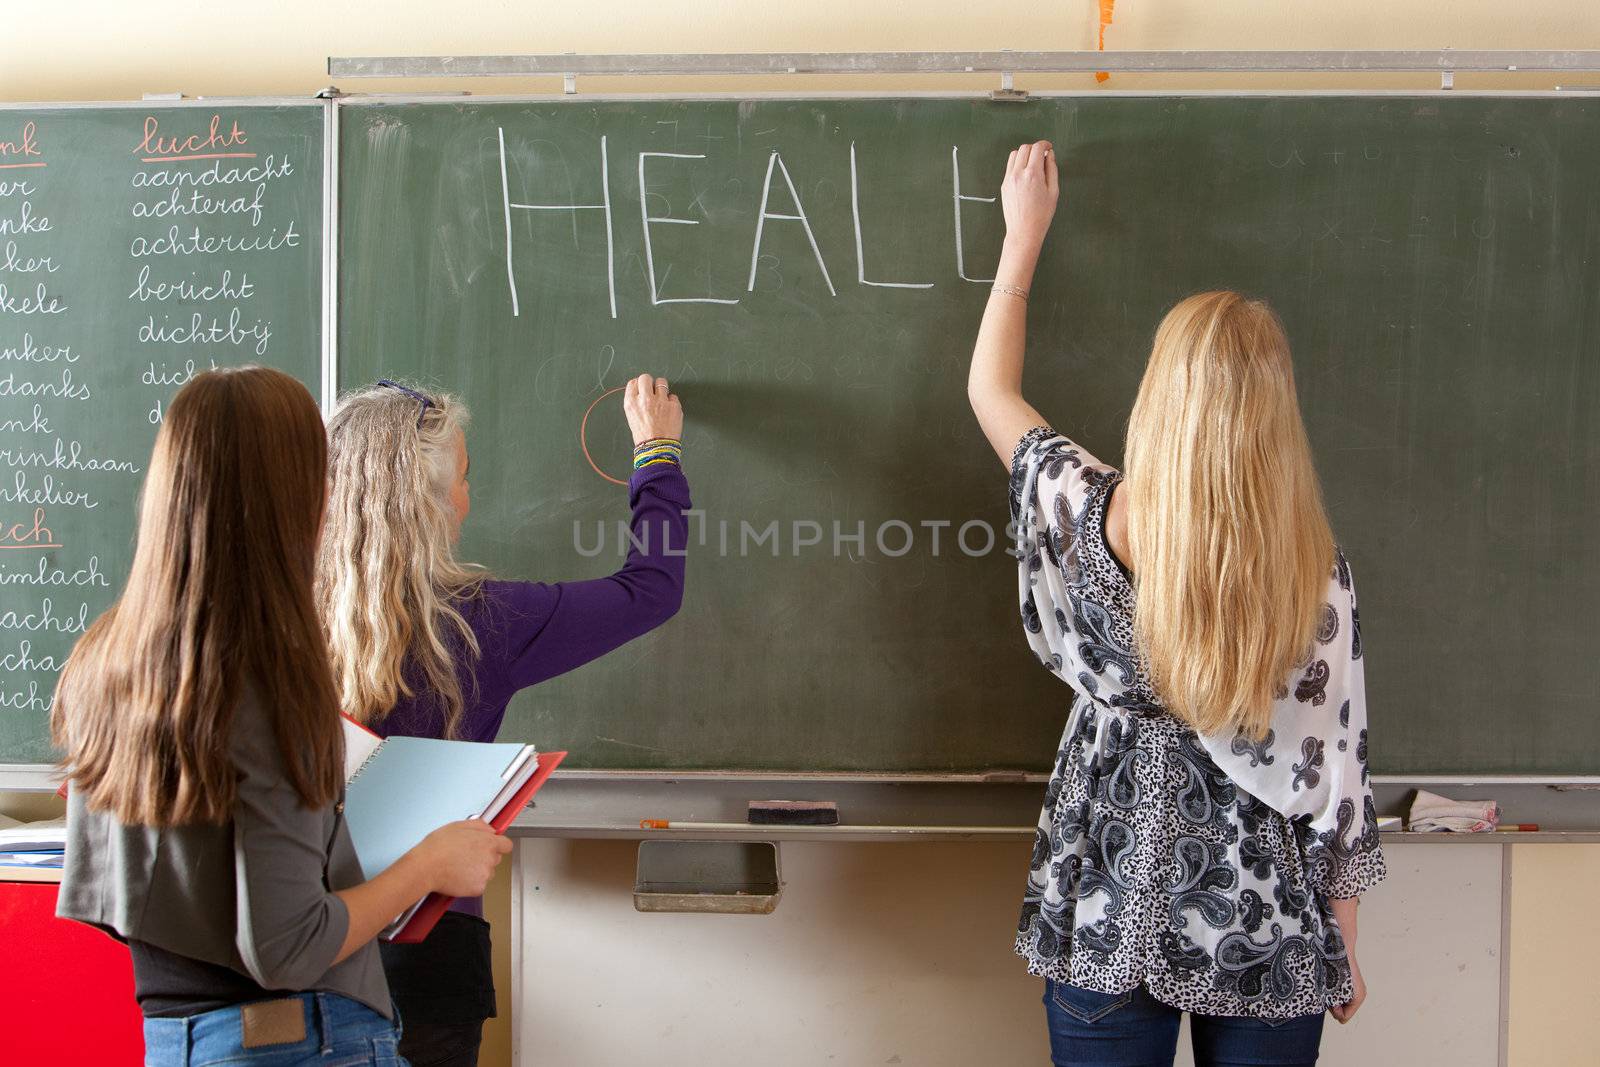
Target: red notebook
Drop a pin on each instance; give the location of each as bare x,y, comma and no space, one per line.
434,905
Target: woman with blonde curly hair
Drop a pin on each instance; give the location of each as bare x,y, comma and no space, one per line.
426,646
1209,825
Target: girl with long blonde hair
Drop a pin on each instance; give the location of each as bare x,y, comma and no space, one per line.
427,646
1209,824
203,746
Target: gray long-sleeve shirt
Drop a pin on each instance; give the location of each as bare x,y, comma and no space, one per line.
255,894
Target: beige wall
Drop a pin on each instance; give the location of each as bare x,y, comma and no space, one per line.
117,49
109,49
901,954
1555,935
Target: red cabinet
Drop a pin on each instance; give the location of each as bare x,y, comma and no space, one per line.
66,990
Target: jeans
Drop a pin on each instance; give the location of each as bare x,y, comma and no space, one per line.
340,1032
1134,1029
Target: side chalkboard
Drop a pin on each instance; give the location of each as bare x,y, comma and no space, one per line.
810,275
138,245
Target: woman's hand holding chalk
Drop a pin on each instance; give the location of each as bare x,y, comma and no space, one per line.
1029,191
652,409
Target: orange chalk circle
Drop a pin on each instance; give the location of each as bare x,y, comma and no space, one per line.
583,436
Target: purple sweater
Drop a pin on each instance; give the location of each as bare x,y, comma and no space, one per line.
530,631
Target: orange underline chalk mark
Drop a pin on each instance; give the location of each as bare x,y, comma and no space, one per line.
14,166
205,155
583,436
1105,20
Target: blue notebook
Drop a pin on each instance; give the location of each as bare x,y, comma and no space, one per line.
398,790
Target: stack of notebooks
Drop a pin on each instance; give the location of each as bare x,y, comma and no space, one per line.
398,790
28,849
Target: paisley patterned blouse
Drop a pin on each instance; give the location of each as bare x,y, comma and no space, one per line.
1199,866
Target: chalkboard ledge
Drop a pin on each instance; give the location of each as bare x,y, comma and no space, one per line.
29,777
598,806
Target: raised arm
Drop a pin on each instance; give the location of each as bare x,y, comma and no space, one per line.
546,630
994,383
549,629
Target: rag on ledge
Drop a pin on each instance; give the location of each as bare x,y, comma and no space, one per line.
1430,811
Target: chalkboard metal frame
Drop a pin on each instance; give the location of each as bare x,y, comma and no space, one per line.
1443,60
40,777
46,777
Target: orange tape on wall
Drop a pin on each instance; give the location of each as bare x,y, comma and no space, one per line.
1105,20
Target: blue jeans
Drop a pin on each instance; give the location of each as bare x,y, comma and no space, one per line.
340,1032
1134,1029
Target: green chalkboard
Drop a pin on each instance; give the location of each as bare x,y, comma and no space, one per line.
137,245
1436,259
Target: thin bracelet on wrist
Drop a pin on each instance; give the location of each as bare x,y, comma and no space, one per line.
1010,290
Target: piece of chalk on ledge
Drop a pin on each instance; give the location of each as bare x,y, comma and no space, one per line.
793,813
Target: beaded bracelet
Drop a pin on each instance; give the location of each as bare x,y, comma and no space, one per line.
657,450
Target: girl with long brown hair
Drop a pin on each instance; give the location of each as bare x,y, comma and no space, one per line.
1209,824
200,726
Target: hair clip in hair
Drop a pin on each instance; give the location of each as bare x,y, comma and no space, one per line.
425,400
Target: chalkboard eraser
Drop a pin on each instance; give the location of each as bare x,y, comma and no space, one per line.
793,813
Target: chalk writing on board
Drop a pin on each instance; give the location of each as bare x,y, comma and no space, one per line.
66,387
64,455
13,261
855,217
213,175
959,199
45,617
583,435
28,535
37,301
23,658
44,573
21,149
34,422
45,489
157,147
198,242
520,167
162,375
208,330
775,161
271,168
604,206
199,203
185,290
29,350
29,699
205,220
23,219
649,248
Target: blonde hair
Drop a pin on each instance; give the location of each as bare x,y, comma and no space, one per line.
388,581
1226,526
218,599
